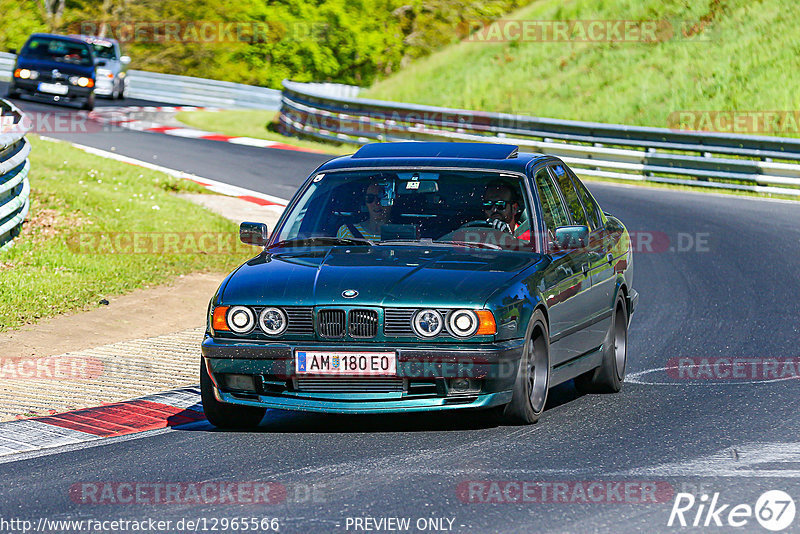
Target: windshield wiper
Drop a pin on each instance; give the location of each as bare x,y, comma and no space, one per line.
321,240
432,243
473,244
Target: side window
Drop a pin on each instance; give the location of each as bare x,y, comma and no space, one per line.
592,210
570,195
553,211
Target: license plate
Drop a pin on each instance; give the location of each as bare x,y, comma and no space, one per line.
53,88
345,363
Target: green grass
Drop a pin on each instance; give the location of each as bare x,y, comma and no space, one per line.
78,196
743,59
256,123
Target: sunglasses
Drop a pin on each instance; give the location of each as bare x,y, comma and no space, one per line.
499,204
370,198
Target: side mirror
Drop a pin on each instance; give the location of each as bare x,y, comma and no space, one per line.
125,60
251,233
572,236
12,51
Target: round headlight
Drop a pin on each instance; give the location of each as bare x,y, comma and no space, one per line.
272,321
241,319
83,82
463,323
428,323
24,74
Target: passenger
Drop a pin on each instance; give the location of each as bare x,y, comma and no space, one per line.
378,216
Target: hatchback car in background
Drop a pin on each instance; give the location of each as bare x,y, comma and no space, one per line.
112,66
423,276
57,67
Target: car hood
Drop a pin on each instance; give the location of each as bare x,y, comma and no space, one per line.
382,275
43,65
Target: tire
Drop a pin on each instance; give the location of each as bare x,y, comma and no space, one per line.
224,415
89,104
123,91
609,376
533,376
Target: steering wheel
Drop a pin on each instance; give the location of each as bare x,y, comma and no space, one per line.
479,223
494,224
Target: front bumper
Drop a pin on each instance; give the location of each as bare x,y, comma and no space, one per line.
105,86
425,370
31,87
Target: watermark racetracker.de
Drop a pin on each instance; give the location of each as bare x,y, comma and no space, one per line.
583,31
564,492
202,31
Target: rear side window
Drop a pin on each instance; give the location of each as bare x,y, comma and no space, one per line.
592,210
553,211
570,195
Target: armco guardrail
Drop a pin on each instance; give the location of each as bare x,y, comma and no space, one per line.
184,90
200,91
604,150
14,165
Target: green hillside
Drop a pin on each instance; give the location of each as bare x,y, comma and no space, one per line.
728,55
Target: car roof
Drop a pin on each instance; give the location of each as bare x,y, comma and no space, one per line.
436,154
93,39
69,38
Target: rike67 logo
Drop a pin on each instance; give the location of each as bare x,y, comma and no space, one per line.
774,510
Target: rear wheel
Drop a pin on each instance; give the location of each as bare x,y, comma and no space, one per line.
533,376
224,415
609,376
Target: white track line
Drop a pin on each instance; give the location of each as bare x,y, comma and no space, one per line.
212,185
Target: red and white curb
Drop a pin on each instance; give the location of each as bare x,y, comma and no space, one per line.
153,412
222,188
122,117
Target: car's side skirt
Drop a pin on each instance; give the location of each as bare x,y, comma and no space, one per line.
576,366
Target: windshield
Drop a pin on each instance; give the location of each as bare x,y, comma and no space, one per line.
58,50
104,51
427,207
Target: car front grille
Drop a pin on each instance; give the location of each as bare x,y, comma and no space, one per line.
397,322
349,385
363,323
301,320
331,323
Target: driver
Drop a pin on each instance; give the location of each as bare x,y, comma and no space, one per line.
378,215
501,206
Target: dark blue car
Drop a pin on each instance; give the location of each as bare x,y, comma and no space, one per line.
56,67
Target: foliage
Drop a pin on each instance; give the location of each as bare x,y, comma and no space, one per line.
344,41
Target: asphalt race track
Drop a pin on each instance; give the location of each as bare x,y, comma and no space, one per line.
721,281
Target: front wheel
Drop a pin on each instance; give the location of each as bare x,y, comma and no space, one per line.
224,415
609,376
88,105
533,376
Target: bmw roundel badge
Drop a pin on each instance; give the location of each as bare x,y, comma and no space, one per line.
349,293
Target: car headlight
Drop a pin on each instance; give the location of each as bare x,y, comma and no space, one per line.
81,81
241,319
272,321
463,323
26,74
104,73
428,323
